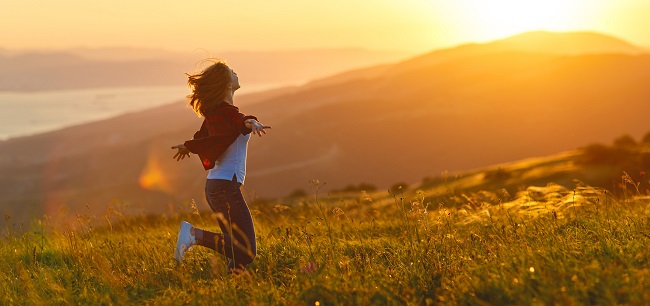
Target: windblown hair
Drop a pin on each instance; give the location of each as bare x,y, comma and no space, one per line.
208,87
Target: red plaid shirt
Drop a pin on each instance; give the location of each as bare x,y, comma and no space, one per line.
219,130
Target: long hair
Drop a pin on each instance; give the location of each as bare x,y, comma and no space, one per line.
208,87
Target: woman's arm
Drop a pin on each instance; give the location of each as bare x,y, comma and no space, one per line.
256,127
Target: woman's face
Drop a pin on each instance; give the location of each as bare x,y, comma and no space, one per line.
234,80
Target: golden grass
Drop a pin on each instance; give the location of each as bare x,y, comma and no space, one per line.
544,245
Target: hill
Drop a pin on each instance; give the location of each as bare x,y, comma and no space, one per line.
119,67
449,110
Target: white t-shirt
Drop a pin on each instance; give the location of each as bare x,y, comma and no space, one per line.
233,161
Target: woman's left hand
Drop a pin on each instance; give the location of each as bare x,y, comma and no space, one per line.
257,127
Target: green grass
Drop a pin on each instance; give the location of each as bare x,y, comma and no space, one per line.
544,245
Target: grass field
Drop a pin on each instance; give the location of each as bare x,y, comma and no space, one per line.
543,245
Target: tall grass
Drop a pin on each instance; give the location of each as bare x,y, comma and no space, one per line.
546,245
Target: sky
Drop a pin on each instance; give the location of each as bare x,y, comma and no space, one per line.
255,25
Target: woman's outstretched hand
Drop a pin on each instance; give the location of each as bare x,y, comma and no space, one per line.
257,127
182,152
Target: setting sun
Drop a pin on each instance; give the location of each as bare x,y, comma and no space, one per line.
500,18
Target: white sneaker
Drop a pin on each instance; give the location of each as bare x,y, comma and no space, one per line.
185,241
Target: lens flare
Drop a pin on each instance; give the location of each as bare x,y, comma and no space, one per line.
153,177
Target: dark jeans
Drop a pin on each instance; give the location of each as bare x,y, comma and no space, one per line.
236,242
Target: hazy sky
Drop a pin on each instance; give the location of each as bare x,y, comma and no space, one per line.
228,25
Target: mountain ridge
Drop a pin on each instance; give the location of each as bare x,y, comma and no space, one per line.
77,69
599,43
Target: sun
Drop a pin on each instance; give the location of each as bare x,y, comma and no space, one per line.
490,19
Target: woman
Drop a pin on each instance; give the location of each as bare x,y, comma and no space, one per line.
221,145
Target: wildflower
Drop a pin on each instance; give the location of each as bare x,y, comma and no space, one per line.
337,212
195,209
415,206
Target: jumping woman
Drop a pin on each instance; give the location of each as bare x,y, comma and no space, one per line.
221,145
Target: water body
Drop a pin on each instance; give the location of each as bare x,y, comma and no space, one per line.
29,113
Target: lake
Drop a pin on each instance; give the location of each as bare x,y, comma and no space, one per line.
29,113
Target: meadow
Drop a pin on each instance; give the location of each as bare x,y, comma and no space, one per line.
543,245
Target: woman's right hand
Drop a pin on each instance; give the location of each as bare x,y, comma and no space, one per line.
182,152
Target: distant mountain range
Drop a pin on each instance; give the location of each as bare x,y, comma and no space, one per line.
120,67
462,108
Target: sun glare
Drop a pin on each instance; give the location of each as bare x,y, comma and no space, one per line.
498,18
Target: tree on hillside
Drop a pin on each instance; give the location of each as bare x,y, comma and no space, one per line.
625,141
646,138
499,174
602,154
